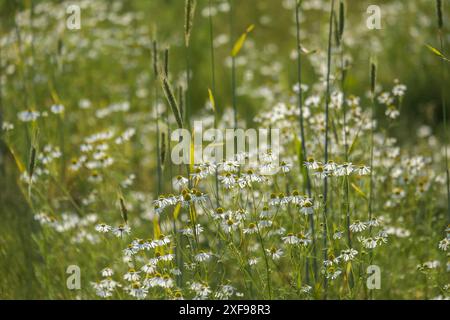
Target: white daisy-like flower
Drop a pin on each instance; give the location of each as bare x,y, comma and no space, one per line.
330,166
228,180
251,229
444,244
107,272
290,238
103,228
180,182
392,112
137,291
275,253
312,164
358,226
28,116
285,167
348,255
344,169
132,275
369,243
230,166
121,230
399,90
307,207
149,268
363,170
57,108
203,256
374,222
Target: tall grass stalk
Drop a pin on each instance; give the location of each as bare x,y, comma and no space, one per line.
373,79
213,89
325,182
440,19
2,144
346,204
156,115
307,181
188,24
233,68
344,117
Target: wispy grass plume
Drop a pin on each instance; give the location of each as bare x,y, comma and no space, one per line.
189,11
168,92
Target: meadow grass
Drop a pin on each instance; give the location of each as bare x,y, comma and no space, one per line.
87,169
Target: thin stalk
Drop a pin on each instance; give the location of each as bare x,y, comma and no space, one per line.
372,106
211,39
340,35
155,106
307,181
443,100
266,261
371,187
213,89
327,103
2,145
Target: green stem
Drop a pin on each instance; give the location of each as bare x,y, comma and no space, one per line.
327,103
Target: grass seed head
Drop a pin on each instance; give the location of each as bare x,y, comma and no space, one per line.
189,20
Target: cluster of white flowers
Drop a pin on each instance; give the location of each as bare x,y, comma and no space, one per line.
71,222
331,168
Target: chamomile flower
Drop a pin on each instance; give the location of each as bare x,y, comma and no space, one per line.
330,166
285,167
107,272
180,182
264,223
399,90
201,290
369,243
228,180
230,166
362,170
275,253
392,112
321,173
121,230
344,169
358,226
307,207
229,225
444,244
251,229
312,164
203,257
265,213
28,116
132,275
138,291
290,238
103,228
374,222
348,255
57,108
338,235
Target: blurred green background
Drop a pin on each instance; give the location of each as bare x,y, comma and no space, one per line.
115,72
